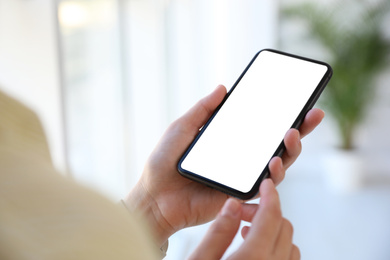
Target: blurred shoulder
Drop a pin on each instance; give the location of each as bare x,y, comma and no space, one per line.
21,130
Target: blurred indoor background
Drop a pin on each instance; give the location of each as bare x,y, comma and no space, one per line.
107,77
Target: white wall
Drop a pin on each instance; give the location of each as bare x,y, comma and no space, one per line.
29,64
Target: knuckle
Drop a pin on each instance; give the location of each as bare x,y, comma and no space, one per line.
288,226
295,253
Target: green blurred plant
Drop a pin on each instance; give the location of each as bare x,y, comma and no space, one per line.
358,51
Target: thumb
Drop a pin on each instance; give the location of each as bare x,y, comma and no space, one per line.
221,232
197,116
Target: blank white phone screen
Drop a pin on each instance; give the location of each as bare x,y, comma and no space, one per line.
243,136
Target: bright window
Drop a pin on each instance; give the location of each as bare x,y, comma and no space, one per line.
130,67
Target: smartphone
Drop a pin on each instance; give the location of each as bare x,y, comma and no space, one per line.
232,150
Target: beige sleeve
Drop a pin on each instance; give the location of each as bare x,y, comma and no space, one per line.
46,216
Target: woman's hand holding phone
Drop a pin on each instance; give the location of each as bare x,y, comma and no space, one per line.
232,151
168,201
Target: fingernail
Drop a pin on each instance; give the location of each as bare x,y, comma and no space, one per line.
231,208
268,180
267,183
281,166
298,137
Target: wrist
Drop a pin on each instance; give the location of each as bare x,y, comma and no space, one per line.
140,202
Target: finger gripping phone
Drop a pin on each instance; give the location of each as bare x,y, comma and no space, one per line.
232,150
